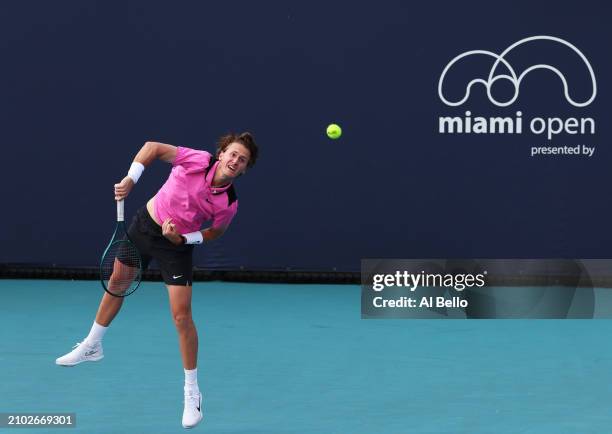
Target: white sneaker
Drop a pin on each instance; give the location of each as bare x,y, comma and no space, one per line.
82,352
192,414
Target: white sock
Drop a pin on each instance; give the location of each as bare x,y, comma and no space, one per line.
191,381
96,333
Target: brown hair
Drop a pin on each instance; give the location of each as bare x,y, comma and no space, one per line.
245,139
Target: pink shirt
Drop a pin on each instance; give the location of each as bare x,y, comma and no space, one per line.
188,197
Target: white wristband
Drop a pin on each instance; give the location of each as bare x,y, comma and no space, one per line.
135,171
194,238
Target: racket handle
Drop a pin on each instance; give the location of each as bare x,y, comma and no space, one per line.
120,210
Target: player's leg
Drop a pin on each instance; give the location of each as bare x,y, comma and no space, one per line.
90,349
180,308
177,269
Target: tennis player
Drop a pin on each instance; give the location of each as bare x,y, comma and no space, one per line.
199,189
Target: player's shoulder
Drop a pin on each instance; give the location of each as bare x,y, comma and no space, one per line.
192,151
185,154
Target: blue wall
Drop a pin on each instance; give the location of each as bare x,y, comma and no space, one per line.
85,84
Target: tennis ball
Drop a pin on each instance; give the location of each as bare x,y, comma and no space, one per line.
334,131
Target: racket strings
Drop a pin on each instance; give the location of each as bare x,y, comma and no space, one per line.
121,268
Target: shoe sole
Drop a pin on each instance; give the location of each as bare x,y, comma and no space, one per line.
92,359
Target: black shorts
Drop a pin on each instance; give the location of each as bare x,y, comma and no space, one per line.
175,262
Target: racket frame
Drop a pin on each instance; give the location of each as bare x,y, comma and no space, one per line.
120,227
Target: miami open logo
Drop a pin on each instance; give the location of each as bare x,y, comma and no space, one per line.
503,71
512,76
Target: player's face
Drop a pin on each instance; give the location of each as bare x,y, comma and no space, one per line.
233,161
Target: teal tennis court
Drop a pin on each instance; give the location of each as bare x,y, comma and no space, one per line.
278,358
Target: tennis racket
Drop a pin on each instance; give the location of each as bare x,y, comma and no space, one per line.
121,265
